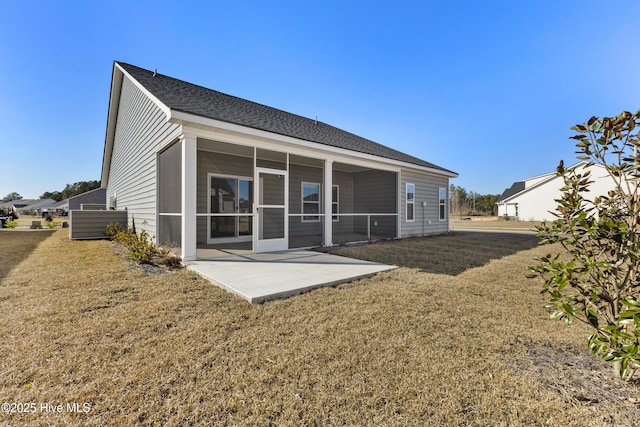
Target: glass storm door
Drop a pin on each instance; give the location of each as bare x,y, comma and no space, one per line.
229,199
271,214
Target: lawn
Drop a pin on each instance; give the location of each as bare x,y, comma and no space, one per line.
15,246
419,345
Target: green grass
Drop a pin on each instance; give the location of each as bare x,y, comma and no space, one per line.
413,346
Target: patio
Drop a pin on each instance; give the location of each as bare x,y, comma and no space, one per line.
260,277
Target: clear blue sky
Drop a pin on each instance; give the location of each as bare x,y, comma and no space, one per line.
488,89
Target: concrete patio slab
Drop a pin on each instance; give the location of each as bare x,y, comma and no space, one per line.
274,275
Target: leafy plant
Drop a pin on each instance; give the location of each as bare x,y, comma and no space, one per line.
595,278
140,246
11,224
52,224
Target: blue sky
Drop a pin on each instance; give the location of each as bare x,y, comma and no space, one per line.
488,89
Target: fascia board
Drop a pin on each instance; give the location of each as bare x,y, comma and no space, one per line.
112,114
166,110
114,104
187,119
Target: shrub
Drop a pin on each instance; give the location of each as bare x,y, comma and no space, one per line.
140,246
52,224
11,224
597,278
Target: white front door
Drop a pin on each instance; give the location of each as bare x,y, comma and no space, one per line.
270,219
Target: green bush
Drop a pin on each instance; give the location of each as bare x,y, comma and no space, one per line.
52,224
595,279
140,246
11,224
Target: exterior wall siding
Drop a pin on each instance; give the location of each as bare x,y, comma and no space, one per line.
427,219
141,130
344,225
303,234
93,224
94,196
538,203
375,192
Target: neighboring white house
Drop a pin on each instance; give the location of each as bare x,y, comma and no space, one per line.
198,168
533,199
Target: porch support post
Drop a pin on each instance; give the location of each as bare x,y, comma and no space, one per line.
188,226
328,210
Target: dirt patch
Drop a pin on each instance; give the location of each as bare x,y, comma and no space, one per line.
157,266
581,379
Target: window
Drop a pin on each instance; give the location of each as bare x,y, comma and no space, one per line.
310,202
232,196
443,204
335,203
411,188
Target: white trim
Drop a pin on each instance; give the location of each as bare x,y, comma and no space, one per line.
327,232
399,204
166,110
337,203
187,119
440,203
407,202
317,151
302,202
188,228
270,245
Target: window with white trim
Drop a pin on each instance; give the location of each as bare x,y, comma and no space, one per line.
310,202
410,202
335,203
443,204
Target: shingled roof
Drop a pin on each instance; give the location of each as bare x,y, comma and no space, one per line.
188,98
514,189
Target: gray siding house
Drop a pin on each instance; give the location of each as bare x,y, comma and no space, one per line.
92,197
198,168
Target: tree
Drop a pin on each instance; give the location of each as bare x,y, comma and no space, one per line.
595,277
470,203
487,202
80,187
55,195
11,196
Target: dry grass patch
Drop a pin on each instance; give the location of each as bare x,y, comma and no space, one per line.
16,245
449,254
495,225
406,347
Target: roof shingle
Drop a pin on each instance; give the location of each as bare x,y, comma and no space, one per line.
515,188
186,97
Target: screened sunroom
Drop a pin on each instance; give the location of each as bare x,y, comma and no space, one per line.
266,200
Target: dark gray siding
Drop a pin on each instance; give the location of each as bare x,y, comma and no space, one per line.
97,196
93,224
344,225
375,192
426,190
303,234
